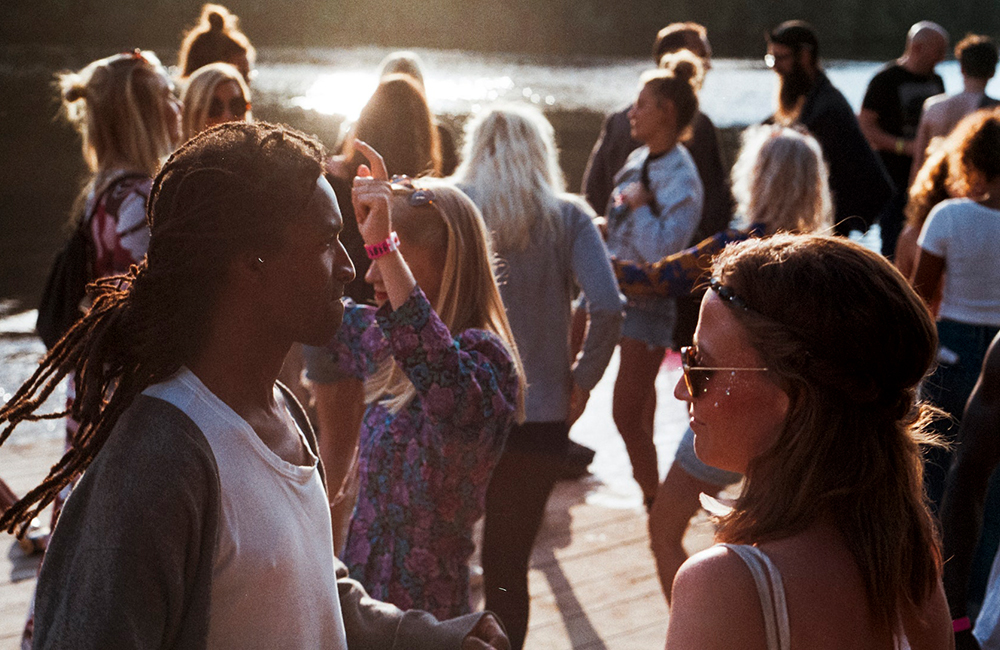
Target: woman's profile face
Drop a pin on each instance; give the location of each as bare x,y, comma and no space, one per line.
738,413
649,116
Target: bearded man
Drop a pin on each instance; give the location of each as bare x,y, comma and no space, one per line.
858,181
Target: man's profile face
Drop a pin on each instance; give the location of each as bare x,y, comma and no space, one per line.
781,58
305,278
795,73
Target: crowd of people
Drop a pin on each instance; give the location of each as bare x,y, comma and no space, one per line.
439,316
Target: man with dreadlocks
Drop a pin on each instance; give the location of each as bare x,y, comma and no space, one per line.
202,518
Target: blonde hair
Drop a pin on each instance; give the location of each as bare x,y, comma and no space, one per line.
121,114
690,63
511,164
677,80
199,91
468,298
781,180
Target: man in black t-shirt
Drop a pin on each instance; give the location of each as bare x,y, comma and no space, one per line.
891,109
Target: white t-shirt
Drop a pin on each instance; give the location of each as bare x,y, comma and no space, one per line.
273,583
967,236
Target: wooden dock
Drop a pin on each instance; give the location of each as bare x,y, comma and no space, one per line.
593,581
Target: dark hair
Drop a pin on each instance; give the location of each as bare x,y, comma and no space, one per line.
677,81
397,122
680,36
977,55
798,35
216,38
229,190
848,340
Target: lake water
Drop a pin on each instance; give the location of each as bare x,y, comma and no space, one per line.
736,92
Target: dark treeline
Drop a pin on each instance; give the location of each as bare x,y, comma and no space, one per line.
858,29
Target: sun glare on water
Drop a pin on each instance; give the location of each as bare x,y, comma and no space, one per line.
345,93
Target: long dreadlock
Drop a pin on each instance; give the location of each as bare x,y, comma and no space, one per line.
222,193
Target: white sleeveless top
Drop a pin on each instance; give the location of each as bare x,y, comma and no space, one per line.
771,591
273,582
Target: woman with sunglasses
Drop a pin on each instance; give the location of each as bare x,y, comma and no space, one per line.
803,377
215,93
549,247
443,385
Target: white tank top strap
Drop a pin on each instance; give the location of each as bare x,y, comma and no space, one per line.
771,591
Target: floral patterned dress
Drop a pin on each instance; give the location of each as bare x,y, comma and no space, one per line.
424,470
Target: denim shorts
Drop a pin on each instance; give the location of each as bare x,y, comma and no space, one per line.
691,464
651,322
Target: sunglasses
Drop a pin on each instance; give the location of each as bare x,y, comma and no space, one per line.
417,198
238,107
697,376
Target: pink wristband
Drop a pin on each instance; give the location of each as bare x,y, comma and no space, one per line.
961,624
375,251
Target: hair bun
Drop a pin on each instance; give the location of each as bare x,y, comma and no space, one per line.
75,92
216,21
685,66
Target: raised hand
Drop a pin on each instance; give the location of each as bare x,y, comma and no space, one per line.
372,196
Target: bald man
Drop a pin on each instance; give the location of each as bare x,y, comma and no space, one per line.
890,114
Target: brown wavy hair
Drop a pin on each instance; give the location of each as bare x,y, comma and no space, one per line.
847,338
930,186
974,152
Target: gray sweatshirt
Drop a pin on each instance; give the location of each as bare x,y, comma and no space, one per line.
538,285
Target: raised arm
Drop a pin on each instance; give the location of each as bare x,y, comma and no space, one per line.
464,381
675,275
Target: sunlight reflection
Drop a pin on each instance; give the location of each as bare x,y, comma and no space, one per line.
346,93
339,93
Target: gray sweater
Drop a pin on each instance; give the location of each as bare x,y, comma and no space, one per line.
130,563
537,285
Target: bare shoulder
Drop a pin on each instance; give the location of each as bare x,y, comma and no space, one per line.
928,626
715,604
